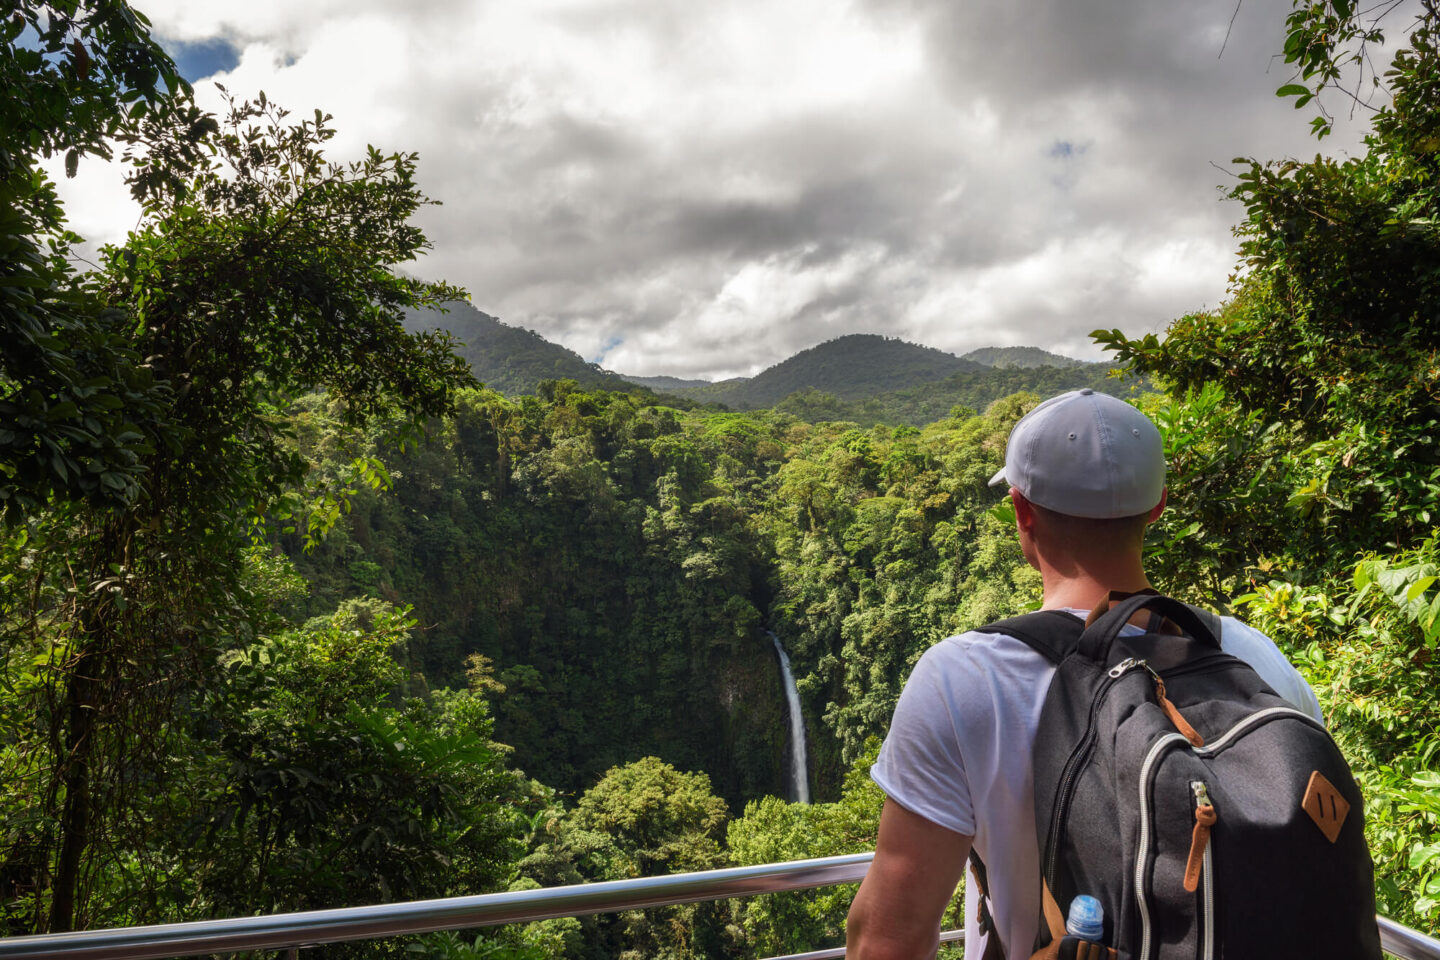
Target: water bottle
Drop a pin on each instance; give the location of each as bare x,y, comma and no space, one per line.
1086,920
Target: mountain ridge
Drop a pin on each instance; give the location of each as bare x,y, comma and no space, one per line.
1020,358
511,359
863,377
851,367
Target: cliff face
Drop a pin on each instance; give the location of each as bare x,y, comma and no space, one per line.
597,554
751,727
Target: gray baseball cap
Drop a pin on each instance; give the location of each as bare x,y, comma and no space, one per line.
1086,454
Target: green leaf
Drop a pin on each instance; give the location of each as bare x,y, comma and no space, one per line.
1418,588
1004,512
1292,90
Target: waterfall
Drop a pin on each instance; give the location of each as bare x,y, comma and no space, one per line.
799,775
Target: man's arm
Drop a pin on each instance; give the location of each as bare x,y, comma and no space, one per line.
896,915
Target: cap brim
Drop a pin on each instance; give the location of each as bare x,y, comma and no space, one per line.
999,478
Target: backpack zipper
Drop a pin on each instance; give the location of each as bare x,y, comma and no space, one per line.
1205,818
1209,952
1073,763
1081,753
1142,852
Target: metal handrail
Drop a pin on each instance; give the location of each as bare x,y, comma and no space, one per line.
1401,941
279,931
837,953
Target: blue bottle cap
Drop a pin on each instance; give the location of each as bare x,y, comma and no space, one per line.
1087,919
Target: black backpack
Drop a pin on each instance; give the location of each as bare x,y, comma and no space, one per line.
1208,816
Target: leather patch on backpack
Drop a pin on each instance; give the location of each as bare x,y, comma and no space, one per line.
1325,805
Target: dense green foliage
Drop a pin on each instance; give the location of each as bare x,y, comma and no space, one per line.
850,367
968,390
71,385
259,272
873,379
256,655
598,551
1022,357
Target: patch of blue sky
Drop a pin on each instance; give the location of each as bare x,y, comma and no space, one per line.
1067,153
194,60
29,39
202,58
605,348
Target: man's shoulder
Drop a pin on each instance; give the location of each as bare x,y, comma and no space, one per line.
980,645
1233,625
1241,640
975,665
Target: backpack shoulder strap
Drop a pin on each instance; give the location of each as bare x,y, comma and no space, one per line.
1210,618
1054,634
985,922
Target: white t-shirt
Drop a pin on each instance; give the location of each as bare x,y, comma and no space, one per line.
958,754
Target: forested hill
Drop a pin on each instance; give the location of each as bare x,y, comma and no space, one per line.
872,379
1020,357
666,384
864,378
971,390
852,368
509,359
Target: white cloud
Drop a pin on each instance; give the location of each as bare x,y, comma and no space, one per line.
702,189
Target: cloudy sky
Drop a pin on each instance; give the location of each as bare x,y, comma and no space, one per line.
704,187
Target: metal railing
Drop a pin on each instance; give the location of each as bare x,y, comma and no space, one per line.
837,953
290,930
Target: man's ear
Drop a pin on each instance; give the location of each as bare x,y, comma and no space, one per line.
1159,507
1024,512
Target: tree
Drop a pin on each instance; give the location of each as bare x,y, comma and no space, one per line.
261,272
773,831
660,819
641,819
72,386
1331,330
331,788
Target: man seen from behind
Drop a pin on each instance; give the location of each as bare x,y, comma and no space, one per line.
1086,474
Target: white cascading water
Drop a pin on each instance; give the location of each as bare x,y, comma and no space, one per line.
799,775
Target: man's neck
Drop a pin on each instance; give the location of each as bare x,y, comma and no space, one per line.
1082,590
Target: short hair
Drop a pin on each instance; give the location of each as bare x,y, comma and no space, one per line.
1088,534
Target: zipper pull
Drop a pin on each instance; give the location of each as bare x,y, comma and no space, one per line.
1126,665
1200,836
1173,712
